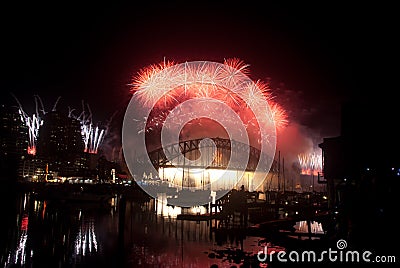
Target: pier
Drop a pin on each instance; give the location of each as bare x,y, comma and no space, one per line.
275,216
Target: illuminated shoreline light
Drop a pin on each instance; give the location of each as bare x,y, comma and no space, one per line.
209,179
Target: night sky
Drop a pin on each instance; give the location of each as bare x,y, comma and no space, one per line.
316,57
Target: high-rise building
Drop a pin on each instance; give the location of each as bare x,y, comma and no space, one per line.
60,143
13,141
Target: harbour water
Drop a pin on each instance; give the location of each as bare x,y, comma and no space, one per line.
130,230
56,233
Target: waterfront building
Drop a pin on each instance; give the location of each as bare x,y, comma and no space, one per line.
13,141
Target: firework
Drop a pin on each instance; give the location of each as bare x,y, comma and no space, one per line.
92,135
159,83
311,163
279,115
33,122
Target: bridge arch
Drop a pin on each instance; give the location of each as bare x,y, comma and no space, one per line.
188,175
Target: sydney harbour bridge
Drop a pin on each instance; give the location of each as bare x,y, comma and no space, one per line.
220,166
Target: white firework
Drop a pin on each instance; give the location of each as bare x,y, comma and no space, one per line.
33,123
92,135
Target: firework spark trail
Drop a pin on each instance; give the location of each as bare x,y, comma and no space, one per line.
158,83
311,163
279,115
92,136
33,123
